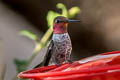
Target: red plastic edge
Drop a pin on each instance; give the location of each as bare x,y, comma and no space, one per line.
54,70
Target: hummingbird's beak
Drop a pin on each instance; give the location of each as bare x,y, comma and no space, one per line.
70,20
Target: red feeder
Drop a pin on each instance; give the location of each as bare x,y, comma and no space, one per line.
104,66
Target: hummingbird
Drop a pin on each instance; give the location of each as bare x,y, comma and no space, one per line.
60,47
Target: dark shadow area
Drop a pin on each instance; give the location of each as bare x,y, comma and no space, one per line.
89,37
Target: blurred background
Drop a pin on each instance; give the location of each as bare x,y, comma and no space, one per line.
97,33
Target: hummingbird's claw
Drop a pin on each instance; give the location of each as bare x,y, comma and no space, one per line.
70,61
58,64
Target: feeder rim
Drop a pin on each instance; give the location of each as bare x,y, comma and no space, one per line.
62,73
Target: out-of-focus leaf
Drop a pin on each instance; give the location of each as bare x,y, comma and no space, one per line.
29,34
63,8
73,11
2,74
21,65
50,17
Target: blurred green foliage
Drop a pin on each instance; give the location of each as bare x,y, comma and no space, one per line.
73,11
50,17
63,8
29,34
22,65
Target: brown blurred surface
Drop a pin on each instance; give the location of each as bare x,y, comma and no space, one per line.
12,45
98,32
99,17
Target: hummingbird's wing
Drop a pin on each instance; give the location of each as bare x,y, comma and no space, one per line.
48,55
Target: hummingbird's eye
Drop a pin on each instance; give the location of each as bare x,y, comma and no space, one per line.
57,21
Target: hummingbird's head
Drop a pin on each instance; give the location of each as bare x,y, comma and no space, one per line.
60,24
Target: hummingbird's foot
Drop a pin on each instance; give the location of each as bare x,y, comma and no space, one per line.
70,61
58,64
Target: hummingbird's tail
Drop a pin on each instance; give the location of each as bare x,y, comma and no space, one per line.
39,65
47,57
44,63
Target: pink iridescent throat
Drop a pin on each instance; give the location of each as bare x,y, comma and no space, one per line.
60,28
